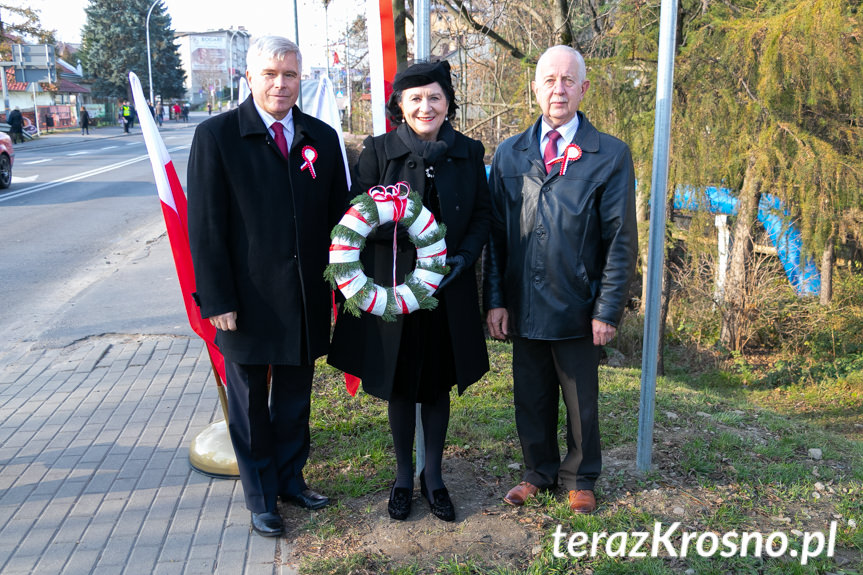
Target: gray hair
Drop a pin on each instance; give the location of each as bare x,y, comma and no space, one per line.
579,60
271,48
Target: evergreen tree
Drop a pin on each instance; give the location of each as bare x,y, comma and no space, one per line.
770,101
114,42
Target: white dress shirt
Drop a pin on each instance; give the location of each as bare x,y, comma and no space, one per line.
567,133
287,122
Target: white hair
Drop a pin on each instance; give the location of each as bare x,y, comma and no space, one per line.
271,48
579,60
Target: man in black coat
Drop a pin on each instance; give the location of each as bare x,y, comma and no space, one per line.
266,185
561,256
16,125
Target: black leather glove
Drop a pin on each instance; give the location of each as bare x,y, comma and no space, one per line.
384,233
456,264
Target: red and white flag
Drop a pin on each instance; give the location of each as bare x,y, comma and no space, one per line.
173,200
382,60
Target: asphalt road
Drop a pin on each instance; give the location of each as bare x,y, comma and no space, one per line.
84,250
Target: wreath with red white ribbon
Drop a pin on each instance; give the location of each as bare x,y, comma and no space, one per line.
380,205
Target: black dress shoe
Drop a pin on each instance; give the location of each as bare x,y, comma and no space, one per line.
268,524
308,499
399,505
440,504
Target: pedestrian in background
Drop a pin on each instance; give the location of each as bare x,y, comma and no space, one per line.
84,119
560,260
16,125
160,113
126,113
260,215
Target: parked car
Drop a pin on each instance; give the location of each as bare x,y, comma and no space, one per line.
7,158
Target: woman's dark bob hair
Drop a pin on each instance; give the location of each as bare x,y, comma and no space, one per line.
421,74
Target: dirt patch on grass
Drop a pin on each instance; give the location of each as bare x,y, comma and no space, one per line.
490,533
486,529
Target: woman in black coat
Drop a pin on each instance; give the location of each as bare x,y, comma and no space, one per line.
421,356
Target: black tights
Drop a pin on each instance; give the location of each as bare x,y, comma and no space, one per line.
435,419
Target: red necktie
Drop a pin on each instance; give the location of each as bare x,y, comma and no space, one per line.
550,148
281,142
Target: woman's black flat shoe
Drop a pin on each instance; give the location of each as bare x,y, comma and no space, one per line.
440,503
399,505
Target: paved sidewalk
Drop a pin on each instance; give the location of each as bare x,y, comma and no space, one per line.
94,471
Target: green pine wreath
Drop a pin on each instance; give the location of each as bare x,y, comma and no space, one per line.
420,281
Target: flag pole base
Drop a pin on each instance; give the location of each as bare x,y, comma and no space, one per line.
212,454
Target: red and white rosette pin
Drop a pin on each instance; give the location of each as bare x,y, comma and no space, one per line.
570,154
309,155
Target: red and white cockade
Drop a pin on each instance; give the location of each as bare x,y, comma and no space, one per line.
570,154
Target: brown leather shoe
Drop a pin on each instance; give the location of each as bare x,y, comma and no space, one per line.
582,501
521,493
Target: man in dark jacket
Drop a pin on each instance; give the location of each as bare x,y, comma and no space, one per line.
561,256
260,215
16,125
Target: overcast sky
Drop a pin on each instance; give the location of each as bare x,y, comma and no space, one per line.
258,16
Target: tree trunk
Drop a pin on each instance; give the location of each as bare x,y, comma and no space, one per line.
734,324
642,216
826,295
399,18
671,256
562,25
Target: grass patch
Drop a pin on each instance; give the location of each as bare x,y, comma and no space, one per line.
726,457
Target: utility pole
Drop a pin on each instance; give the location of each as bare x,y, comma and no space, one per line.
149,59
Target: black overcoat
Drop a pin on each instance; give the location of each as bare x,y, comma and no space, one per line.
259,228
368,346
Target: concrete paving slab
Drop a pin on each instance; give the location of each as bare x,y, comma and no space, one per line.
94,466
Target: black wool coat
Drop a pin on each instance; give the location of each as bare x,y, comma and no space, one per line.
259,230
368,346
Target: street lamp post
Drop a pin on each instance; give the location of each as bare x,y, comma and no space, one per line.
231,67
149,59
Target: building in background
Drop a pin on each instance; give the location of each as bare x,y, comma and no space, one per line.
39,95
213,61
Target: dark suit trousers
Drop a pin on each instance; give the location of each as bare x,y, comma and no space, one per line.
269,432
539,368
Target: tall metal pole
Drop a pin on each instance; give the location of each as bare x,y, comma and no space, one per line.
149,60
422,29
327,35
35,110
421,53
297,41
231,67
347,77
656,243
5,90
